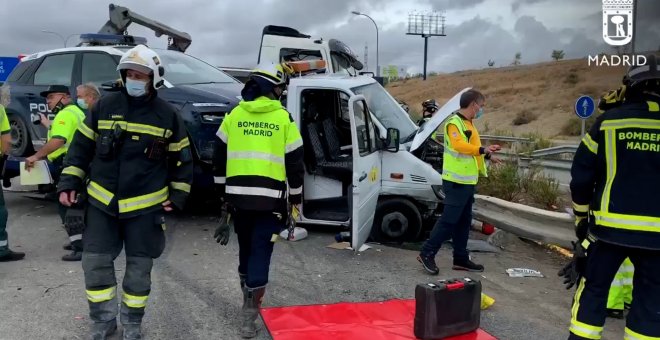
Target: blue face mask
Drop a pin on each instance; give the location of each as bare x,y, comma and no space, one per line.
479,113
136,88
81,102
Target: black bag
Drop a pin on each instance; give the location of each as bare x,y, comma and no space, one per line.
447,308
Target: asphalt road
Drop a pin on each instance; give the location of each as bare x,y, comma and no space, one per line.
196,295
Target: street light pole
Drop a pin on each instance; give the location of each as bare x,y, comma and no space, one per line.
372,20
64,41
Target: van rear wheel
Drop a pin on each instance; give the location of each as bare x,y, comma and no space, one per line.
397,220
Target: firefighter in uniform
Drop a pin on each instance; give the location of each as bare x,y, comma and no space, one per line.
614,183
261,151
135,151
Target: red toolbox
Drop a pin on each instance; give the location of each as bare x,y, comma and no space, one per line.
447,308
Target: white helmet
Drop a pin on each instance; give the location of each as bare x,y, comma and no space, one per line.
142,59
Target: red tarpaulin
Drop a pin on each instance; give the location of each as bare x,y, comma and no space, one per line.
387,320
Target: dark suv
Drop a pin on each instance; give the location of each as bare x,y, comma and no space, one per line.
201,93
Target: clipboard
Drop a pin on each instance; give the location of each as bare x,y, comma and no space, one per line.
39,174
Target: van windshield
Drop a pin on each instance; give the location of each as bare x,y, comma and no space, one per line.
386,109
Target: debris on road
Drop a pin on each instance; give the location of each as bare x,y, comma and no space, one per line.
299,233
486,301
523,272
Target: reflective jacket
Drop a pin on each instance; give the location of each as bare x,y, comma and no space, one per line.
64,127
147,162
615,176
260,152
458,167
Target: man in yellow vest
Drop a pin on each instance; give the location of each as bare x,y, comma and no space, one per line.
60,133
6,254
464,161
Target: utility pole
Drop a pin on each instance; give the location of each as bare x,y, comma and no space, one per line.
426,26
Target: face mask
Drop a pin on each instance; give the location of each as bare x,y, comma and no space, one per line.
136,88
81,102
479,113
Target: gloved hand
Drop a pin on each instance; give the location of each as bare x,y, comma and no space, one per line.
573,271
581,227
222,232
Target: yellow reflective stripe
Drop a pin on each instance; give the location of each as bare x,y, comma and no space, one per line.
99,193
590,144
253,191
149,130
627,222
296,144
143,201
135,127
74,171
458,154
87,132
610,160
586,331
581,207
110,124
630,123
135,301
174,147
101,295
255,155
576,299
460,177
180,186
653,106
632,335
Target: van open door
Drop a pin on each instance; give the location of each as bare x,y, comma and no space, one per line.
366,171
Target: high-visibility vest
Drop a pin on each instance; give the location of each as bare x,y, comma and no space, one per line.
457,167
64,125
260,135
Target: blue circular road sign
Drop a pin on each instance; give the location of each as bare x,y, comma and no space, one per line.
584,107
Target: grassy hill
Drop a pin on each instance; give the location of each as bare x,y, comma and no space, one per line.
537,98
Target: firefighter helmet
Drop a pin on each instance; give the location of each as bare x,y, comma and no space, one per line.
142,59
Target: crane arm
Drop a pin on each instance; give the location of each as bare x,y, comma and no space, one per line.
122,17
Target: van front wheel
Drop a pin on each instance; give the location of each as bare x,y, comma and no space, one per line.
397,220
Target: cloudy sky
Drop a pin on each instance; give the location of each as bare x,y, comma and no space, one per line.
227,32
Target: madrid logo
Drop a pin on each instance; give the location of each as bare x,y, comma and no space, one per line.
618,21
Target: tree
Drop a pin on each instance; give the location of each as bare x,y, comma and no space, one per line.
491,63
516,61
557,55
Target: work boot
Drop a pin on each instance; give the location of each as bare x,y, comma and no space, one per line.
467,265
12,256
67,246
428,262
249,327
132,331
75,255
243,277
102,330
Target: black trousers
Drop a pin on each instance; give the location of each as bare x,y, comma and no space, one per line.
590,302
454,223
257,233
103,239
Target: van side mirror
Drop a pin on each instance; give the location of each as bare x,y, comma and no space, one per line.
392,140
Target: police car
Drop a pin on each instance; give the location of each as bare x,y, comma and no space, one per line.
203,94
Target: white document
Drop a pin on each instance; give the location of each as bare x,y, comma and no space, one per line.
39,174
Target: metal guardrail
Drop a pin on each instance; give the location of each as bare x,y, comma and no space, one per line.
555,150
499,138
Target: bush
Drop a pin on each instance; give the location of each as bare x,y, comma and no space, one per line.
573,126
524,117
544,190
503,181
572,78
537,142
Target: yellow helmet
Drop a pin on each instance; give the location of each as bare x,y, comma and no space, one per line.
277,74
